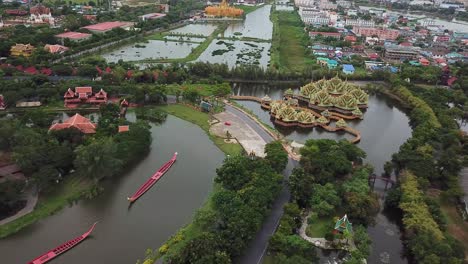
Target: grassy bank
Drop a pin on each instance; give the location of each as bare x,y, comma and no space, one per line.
248,9
202,120
289,42
71,189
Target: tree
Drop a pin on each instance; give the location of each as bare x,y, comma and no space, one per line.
276,156
97,159
324,199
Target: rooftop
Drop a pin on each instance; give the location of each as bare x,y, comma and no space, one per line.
77,121
107,25
73,35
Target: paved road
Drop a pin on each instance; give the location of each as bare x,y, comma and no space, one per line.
258,246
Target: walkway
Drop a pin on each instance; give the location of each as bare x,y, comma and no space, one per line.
31,196
258,246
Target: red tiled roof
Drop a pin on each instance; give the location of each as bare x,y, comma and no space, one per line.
30,70
101,94
46,71
106,25
55,48
73,35
325,34
69,93
84,89
16,12
77,121
451,80
124,129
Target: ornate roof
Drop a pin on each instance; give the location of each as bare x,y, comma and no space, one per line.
323,120
341,123
305,117
334,92
266,98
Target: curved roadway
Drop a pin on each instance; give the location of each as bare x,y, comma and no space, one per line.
258,246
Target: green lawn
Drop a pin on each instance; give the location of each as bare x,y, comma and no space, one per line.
201,119
71,189
318,227
289,42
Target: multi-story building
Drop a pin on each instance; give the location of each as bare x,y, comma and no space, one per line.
400,53
359,23
327,5
304,3
314,17
336,35
25,50
382,34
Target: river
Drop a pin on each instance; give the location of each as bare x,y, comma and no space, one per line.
123,234
384,129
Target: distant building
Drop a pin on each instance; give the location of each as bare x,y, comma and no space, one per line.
348,69
108,26
73,36
16,12
41,14
441,38
360,23
332,64
327,5
123,129
314,16
151,16
400,53
55,49
424,62
304,3
24,50
382,34
77,121
84,95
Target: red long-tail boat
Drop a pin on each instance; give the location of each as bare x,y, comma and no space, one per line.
151,181
62,248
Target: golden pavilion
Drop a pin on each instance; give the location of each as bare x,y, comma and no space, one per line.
223,10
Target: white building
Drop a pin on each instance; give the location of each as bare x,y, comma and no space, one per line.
40,14
360,23
327,5
312,16
304,3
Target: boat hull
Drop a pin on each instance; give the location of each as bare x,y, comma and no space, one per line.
62,248
153,179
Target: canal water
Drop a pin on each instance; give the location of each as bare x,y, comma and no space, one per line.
257,25
153,49
384,129
124,233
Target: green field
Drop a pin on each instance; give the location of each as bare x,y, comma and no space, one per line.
318,227
201,119
289,42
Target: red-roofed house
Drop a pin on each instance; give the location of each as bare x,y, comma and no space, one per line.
84,95
77,121
108,26
2,103
424,62
451,80
74,36
16,12
373,56
46,71
350,38
55,49
90,17
31,70
406,44
124,129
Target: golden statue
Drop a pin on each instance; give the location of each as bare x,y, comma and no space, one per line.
223,10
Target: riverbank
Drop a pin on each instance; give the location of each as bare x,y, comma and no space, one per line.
73,188
203,121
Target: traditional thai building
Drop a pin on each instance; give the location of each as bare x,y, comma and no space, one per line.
84,95
40,15
55,49
77,121
2,103
343,225
25,50
223,10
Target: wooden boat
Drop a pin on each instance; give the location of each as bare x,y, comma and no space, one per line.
62,248
151,181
